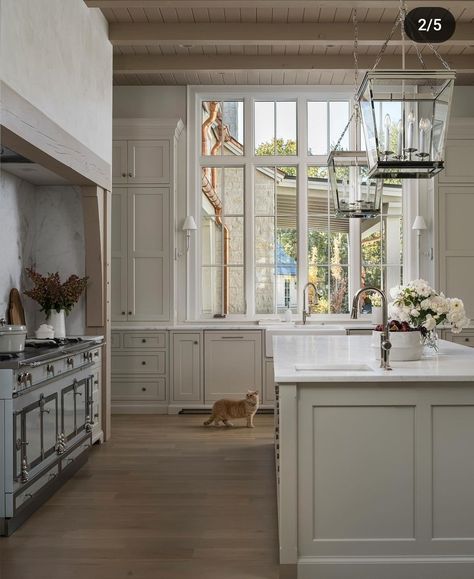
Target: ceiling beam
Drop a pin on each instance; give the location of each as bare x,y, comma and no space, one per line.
211,34
152,64
453,4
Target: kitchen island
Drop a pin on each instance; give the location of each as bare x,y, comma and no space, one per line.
375,468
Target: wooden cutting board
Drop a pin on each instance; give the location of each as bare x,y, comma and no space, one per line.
16,313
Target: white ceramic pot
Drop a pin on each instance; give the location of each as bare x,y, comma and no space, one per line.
406,346
58,321
12,338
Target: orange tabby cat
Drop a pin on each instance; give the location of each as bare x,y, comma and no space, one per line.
225,409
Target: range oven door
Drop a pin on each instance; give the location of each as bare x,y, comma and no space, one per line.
36,427
76,407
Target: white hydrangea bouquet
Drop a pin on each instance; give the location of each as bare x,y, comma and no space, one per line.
418,304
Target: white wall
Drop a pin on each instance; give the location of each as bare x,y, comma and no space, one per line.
16,234
56,54
150,102
41,227
463,101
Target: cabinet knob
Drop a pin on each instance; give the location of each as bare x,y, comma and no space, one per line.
124,174
143,341
123,313
143,389
466,339
143,363
129,313
196,342
130,174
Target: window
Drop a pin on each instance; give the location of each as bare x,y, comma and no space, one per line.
275,231
267,223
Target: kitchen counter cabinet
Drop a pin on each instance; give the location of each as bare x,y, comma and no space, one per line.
375,469
232,364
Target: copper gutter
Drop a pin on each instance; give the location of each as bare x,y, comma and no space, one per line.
209,189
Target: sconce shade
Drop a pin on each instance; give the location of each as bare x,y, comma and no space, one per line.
405,116
189,224
419,224
353,193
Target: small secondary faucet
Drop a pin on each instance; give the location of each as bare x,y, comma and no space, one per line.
307,314
385,344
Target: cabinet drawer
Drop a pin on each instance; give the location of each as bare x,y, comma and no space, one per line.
74,454
139,363
145,340
143,390
29,491
464,340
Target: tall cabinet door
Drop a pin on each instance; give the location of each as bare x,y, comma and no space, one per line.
233,364
148,254
119,255
186,367
148,162
119,162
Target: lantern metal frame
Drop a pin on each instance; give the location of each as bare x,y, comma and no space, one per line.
368,205
424,98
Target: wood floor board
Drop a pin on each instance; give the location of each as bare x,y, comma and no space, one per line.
166,498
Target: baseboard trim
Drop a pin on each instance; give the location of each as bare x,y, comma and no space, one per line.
386,567
144,408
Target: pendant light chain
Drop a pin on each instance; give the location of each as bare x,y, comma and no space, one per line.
355,109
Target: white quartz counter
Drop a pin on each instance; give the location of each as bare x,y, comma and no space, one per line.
453,363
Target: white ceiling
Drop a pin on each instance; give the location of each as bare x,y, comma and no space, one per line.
265,12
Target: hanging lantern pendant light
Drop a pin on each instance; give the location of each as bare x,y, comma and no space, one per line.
405,115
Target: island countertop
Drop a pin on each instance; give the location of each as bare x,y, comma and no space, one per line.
323,354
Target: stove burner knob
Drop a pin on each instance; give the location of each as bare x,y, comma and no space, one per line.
21,378
29,378
70,362
50,369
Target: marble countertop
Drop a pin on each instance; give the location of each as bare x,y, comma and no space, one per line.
453,363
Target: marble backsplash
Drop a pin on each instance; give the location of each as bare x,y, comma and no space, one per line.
41,226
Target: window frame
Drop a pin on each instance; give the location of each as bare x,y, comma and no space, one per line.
249,95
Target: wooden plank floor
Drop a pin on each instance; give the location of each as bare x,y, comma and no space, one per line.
166,498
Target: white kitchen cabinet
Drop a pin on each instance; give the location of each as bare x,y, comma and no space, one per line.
141,161
119,162
144,170
141,254
269,385
186,367
119,255
139,371
148,161
232,364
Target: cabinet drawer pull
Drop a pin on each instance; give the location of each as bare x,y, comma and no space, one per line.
123,313
129,313
143,363
196,342
232,337
143,341
466,339
143,389
124,174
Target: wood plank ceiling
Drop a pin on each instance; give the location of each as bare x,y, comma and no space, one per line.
263,12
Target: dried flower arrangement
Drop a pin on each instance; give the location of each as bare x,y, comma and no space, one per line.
51,294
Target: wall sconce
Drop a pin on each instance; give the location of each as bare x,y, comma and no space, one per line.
419,225
188,226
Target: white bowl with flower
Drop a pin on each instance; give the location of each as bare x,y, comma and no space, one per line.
423,308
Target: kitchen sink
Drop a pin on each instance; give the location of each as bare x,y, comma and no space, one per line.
299,330
333,367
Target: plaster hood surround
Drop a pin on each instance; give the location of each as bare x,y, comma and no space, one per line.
27,170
